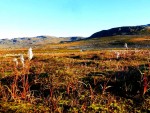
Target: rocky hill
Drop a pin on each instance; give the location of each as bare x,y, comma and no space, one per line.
127,30
26,42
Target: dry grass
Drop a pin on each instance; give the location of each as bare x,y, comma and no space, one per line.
73,81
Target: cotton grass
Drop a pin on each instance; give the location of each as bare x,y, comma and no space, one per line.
30,53
16,61
22,60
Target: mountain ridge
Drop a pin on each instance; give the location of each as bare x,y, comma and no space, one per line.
35,41
129,31
124,30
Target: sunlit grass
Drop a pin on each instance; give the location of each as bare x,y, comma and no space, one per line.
62,80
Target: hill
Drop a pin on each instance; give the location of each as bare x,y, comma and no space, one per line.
26,42
134,36
127,30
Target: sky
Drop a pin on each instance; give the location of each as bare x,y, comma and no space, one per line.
64,18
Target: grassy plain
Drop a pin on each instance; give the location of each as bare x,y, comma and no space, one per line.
62,78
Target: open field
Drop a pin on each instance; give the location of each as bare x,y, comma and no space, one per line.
133,41
69,80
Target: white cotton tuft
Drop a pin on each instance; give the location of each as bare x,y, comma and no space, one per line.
126,45
117,55
22,60
30,53
16,61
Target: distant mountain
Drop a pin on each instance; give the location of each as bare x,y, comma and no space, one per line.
127,30
25,42
135,36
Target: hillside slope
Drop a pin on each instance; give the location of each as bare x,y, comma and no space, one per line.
128,30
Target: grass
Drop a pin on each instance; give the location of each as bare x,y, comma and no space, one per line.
67,80
107,42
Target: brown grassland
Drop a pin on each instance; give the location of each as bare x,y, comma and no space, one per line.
69,80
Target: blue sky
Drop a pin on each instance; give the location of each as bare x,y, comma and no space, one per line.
25,18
